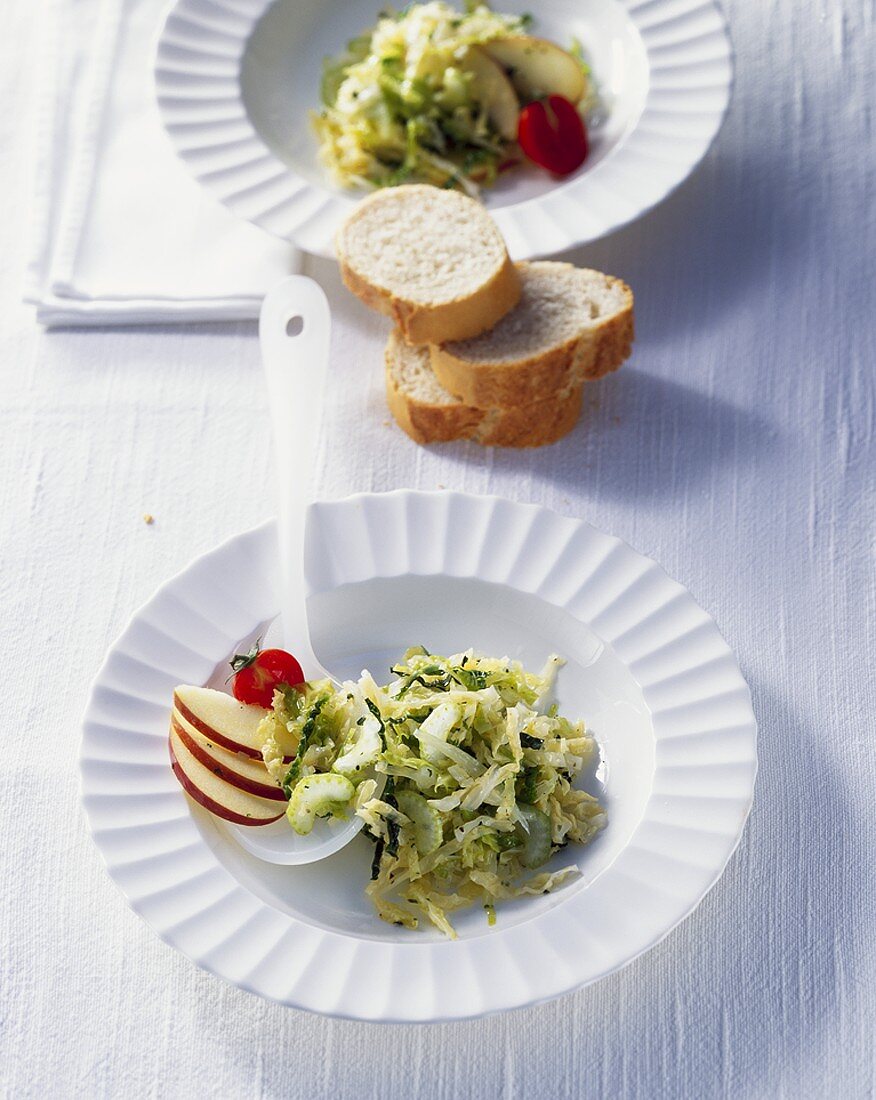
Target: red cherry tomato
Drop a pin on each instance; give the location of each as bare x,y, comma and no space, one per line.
259,672
552,134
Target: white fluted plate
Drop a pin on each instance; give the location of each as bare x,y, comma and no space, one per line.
647,669
236,79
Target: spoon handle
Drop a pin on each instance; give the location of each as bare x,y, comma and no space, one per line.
294,333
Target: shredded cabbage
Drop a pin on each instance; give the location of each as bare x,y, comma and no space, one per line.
464,782
400,105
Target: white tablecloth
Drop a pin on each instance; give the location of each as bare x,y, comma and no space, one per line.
736,448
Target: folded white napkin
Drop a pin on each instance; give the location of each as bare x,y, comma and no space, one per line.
122,233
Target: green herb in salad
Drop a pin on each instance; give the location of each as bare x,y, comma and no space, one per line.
410,99
463,780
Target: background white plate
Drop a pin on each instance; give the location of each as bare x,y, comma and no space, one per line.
236,79
647,669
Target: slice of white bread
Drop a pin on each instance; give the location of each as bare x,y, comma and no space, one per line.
431,259
571,325
431,415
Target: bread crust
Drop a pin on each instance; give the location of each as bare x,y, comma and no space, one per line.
458,319
428,323
535,425
510,384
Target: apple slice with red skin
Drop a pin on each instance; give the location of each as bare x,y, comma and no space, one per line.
214,793
235,768
221,718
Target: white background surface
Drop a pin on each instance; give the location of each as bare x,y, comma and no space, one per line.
736,448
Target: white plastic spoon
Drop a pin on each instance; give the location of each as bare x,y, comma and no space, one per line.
294,333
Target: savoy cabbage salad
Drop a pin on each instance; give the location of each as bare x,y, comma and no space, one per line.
465,781
432,94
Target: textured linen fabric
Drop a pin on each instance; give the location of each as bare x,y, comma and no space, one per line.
123,234
736,448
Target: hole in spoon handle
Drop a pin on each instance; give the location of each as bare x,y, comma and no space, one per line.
294,333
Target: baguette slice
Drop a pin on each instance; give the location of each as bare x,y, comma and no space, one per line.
431,415
433,260
571,325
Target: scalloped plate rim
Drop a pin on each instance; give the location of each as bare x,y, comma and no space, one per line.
512,216
264,530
